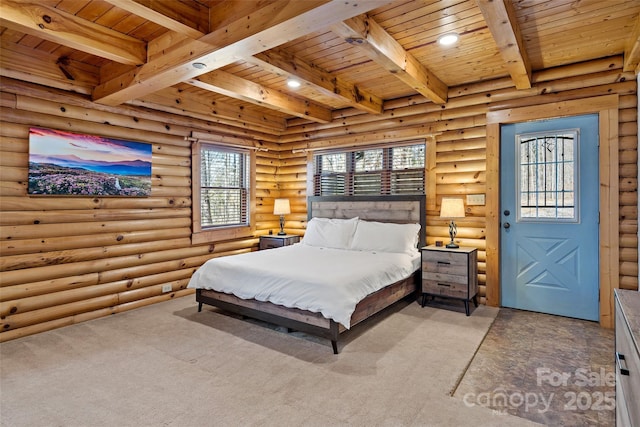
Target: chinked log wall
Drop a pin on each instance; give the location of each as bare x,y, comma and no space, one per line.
67,260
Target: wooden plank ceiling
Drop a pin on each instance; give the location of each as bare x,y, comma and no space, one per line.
231,60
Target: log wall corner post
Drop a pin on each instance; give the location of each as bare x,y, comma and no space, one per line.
492,289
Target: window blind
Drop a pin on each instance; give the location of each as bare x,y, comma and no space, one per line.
223,187
383,171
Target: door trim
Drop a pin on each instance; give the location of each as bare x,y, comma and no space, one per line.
607,109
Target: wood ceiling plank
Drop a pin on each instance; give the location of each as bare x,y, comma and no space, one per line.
603,19
169,15
19,61
366,34
555,32
280,61
69,6
432,22
501,20
466,28
93,10
573,47
29,40
51,24
10,35
180,101
21,58
226,12
312,43
47,46
332,55
265,28
236,87
429,33
557,13
112,17
420,14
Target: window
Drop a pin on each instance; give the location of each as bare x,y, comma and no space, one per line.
222,192
547,176
386,171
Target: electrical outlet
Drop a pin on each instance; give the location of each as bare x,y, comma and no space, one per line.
166,288
475,199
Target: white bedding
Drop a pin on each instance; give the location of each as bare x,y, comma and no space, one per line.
317,279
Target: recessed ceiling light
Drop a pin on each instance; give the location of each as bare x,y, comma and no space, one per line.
292,83
448,39
199,65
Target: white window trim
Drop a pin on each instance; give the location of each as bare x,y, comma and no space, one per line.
200,235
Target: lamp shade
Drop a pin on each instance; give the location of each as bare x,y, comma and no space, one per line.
452,208
281,207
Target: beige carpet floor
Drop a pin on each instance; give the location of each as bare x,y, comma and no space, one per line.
168,365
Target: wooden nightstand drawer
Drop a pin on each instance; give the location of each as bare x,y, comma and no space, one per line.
446,262
270,242
454,279
449,271
447,289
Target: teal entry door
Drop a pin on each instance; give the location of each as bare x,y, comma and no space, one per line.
549,201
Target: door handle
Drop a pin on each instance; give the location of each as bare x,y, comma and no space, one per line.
507,225
619,359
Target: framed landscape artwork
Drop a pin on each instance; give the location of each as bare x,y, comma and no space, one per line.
67,164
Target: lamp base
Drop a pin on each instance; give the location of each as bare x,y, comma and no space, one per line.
453,230
281,233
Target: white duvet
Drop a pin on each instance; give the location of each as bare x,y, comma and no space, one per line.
321,280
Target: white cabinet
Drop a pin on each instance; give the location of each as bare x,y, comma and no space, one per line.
627,358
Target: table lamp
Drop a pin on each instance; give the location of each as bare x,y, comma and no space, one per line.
452,208
281,207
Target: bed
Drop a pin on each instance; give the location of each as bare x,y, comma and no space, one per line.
246,284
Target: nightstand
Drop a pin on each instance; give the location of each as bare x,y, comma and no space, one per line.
450,273
274,241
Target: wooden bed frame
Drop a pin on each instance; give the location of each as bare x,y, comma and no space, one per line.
399,209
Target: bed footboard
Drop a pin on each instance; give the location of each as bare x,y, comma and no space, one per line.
306,321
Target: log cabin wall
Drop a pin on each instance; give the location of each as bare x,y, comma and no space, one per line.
67,260
70,259
456,147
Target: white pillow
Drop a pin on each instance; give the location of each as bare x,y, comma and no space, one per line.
330,232
386,237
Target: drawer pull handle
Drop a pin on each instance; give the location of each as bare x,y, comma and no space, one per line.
444,262
444,284
619,359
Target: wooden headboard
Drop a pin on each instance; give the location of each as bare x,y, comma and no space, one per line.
399,209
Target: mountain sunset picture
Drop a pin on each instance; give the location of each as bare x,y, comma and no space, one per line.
65,163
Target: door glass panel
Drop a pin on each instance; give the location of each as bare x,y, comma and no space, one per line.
547,176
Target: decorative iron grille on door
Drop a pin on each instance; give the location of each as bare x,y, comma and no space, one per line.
548,175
